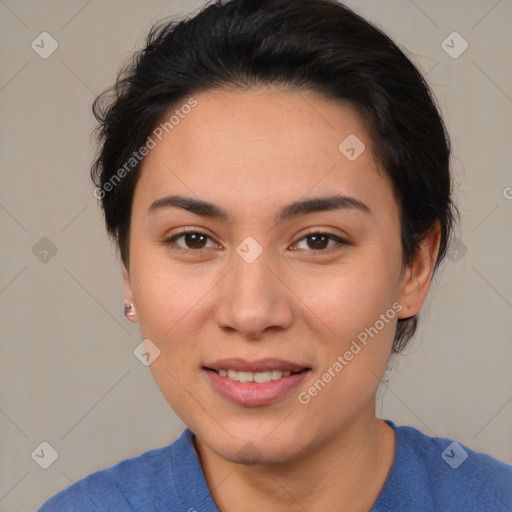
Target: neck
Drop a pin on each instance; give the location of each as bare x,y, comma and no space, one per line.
346,473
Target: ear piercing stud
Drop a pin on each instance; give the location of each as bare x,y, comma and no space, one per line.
129,310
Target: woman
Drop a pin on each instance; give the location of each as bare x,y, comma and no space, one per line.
276,176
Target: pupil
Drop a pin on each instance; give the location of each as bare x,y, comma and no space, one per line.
318,240
194,239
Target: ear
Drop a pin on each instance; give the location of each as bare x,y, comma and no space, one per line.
416,278
128,293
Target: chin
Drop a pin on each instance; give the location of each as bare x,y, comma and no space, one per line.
252,454
251,444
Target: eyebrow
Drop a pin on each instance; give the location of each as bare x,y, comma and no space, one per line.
292,210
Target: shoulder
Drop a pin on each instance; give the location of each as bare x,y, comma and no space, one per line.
132,484
449,475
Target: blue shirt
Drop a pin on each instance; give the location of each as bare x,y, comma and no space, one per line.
428,474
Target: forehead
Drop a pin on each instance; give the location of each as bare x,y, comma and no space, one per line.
230,122
260,144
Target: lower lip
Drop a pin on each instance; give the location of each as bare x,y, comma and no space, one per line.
251,394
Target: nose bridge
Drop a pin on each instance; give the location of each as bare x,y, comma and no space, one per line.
251,277
251,299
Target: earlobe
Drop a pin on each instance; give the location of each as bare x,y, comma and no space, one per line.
129,307
418,276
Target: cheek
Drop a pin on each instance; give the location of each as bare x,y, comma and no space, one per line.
351,298
169,300
357,308
168,296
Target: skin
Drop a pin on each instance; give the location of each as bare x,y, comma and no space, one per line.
251,152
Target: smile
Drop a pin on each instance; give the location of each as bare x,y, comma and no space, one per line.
254,383
256,377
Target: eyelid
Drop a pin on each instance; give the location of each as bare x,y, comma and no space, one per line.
325,231
171,240
340,240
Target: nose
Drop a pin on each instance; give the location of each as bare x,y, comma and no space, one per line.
253,300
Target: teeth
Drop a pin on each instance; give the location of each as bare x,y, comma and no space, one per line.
245,376
258,377
277,374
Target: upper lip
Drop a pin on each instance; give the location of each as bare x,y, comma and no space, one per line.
257,365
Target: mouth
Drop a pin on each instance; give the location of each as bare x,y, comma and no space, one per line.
255,377
255,383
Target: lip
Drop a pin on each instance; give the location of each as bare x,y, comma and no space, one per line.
258,365
251,394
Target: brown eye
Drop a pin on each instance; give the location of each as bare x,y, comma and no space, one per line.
195,240
320,241
190,241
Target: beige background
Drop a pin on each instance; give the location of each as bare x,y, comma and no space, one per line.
68,375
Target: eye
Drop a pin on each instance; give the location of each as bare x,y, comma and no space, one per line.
195,241
191,241
319,241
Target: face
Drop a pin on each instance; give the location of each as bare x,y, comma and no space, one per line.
234,268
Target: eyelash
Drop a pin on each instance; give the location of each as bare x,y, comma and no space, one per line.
170,242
